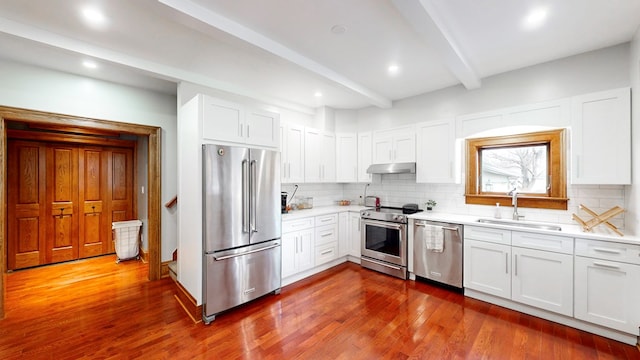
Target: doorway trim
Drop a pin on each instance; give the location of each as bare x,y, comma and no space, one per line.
153,176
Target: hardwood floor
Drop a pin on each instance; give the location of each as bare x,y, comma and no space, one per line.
98,309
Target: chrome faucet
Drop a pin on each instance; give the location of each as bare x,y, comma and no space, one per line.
365,193
514,202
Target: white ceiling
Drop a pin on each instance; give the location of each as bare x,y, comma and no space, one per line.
283,51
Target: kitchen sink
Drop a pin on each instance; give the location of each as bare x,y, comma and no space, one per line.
531,225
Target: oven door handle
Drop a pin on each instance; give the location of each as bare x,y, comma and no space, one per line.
384,224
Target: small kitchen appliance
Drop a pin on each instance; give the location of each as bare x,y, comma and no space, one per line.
283,202
372,201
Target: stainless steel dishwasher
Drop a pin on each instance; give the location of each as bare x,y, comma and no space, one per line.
442,262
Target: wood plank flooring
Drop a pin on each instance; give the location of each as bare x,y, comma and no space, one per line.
97,309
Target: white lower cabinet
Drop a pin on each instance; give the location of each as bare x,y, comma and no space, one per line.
326,246
607,290
535,277
298,246
542,279
486,267
354,235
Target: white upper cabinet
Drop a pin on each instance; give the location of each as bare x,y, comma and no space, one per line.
436,155
227,122
394,145
292,153
319,156
601,138
365,155
346,157
262,127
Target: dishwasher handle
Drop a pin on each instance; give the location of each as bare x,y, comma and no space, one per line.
443,227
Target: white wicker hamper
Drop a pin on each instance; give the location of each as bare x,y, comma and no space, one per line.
125,236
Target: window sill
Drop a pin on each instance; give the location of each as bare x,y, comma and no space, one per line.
523,201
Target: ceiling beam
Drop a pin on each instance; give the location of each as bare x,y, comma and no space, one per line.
425,20
244,33
162,71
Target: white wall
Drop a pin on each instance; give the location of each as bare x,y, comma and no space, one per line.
633,191
41,89
593,71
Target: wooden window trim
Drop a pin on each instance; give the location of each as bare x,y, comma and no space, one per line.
556,197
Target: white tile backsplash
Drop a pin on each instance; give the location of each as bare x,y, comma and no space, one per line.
397,190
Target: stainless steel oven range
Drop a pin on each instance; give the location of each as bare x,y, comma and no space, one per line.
384,239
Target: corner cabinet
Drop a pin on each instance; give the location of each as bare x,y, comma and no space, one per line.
224,121
601,138
394,145
436,152
346,157
364,155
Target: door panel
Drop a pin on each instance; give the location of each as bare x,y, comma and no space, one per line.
265,183
119,191
92,192
62,197
26,204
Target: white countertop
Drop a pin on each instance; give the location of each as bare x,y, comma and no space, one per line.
320,210
599,233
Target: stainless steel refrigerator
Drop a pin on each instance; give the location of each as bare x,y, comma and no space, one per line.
241,226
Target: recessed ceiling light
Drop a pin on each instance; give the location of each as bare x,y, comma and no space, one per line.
94,17
89,64
317,94
338,29
393,69
535,18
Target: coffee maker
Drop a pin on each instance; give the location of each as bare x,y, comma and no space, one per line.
283,202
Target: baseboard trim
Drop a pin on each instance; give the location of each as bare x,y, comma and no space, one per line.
188,303
164,269
144,256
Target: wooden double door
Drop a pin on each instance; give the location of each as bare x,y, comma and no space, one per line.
62,199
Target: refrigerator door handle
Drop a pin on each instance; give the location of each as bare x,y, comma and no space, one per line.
244,253
253,196
245,196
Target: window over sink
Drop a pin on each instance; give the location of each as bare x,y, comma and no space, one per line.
532,163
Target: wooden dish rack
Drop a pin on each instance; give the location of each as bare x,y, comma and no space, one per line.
599,218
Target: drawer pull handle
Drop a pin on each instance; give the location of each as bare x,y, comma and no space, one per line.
597,263
326,234
326,252
608,251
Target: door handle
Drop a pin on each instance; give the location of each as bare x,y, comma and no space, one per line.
245,253
245,196
254,203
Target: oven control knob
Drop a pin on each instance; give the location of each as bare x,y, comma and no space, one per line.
365,214
398,218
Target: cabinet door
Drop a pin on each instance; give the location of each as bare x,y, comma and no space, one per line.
382,148
289,255
327,152
293,154
543,279
354,235
312,165
404,146
486,268
222,120
435,152
346,157
601,138
607,293
344,234
262,128
305,251
365,156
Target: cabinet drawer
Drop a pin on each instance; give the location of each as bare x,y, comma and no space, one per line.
299,224
326,219
326,234
627,253
559,244
497,236
326,252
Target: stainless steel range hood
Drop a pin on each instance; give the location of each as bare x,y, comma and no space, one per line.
395,168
